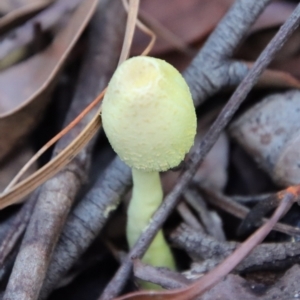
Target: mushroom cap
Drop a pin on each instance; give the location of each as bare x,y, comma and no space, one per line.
148,114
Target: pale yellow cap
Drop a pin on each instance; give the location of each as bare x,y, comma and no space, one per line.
148,114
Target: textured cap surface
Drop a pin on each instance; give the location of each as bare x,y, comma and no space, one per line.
148,114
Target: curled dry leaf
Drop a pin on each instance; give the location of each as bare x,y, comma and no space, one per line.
270,132
25,88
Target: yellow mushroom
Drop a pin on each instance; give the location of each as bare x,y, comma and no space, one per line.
149,119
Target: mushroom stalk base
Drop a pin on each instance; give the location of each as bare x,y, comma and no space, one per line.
147,196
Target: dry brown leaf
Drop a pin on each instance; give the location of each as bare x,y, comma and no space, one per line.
24,88
190,20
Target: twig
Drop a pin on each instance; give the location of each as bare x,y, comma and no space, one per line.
208,252
197,242
115,286
17,227
161,276
227,204
188,217
212,223
255,217
86,221
250,198
11,233
211,69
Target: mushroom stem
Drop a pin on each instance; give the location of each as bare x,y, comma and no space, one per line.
147,196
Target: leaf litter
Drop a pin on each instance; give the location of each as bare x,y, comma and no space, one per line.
22,106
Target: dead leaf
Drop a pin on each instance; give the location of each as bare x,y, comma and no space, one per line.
24,88
190,20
